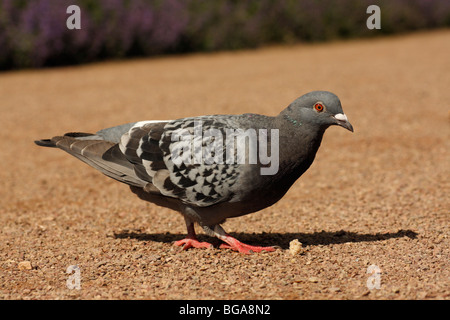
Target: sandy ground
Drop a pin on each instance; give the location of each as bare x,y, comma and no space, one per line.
377,197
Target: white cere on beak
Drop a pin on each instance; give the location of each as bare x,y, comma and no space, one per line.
341,117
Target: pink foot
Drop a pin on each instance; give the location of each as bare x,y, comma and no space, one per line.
192,243
234,244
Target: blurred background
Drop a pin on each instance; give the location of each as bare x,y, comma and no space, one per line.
33,33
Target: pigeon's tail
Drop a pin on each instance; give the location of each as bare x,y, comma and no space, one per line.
51,143
45,143
100,154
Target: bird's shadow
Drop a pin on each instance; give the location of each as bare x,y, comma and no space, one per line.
281,240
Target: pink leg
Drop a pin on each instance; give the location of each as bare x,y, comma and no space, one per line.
234,244
192,243
191,240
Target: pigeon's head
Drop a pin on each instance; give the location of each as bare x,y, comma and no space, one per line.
317,108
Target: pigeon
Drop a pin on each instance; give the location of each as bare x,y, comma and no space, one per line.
211,168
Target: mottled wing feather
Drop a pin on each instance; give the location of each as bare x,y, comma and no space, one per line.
204,183
137,146
151,147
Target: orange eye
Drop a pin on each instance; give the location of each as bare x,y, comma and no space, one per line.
319,107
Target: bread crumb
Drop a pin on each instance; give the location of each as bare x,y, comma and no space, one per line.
295,247
24,265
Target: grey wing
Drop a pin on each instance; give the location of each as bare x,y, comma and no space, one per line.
169,162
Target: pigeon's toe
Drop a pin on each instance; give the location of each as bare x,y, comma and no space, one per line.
234,244
192,243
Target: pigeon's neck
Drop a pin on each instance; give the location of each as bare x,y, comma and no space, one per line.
298,145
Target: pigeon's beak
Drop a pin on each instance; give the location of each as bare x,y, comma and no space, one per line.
341,120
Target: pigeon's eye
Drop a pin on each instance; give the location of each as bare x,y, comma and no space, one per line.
319,107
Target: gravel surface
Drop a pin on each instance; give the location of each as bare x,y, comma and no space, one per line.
378,197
